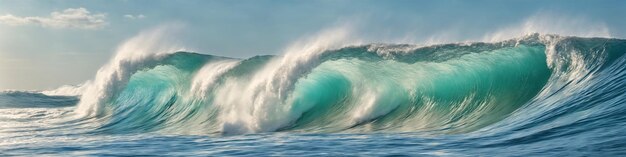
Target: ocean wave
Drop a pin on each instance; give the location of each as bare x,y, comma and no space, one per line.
441,89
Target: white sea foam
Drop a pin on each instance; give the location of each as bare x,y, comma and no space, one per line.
549,23
259,105
68,90
140,51
207,76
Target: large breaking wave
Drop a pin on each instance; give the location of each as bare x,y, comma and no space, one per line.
518,84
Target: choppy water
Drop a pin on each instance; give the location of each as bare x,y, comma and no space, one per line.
537,95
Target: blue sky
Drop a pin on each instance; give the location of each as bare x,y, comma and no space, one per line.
45,44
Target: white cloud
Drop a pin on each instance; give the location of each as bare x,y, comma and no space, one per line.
133,17
79,18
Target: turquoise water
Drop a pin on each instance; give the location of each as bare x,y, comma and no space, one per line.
539,95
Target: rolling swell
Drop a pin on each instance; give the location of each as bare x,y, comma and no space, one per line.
453,88
22,99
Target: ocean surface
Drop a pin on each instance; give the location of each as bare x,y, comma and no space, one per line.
537,95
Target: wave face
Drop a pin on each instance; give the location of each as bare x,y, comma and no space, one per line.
488,88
